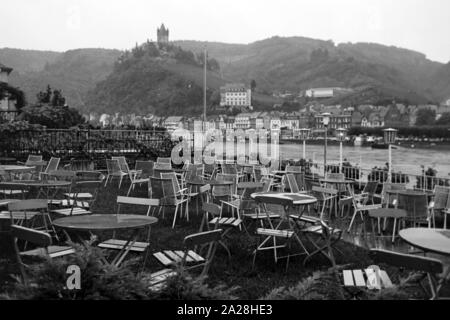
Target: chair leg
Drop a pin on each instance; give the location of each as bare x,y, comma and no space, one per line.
353,219
393,230
175,217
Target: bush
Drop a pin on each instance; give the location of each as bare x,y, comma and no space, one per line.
321,286
183,286
98,281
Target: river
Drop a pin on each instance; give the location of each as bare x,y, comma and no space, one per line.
406,160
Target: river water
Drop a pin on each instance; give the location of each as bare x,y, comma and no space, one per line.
405,160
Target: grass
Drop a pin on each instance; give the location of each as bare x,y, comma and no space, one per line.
253,283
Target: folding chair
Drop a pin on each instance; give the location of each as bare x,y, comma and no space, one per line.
187,258
139,247
386,213
51,166
27,210
174,195
325,243
42,240
274,233
144,170
361,209
114,170
227,224
440,203
132,174
429,267
82,197
368,193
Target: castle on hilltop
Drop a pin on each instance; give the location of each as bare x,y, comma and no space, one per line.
163,34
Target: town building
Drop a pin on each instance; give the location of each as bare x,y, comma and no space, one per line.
336,121
242,121
325,92
172,123
8,100
162,34
235,95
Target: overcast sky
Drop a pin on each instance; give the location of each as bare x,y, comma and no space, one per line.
421,25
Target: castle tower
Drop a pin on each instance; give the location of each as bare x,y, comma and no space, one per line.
163,34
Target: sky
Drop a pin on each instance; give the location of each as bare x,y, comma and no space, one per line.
60,25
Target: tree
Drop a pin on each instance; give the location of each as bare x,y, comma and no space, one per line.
253,84
425,117
444,120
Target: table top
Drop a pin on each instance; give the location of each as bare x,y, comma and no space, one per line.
336,181
15,168
245,185
41,183
433,240
99,222
408,192
297,198
200,182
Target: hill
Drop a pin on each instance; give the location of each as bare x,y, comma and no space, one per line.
27,60
163,81
74,72
297,63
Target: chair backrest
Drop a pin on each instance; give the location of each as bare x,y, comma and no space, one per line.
34,158
336,176
225,190
267,183
63,175
201,238
123,165
52,164
387,198
294,168
407,261
415,205
229,168
204,193
156,187
441,197
173,177
162,166
324,192
213,209
113,166
371,187
27,205
292,183
146,167
164,160
93,185
274,165
145,202
39,238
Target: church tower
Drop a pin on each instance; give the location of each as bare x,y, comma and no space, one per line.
163,34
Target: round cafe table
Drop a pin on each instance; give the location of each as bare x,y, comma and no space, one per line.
298,199
107,222
212,183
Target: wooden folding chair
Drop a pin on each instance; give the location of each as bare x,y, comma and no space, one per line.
82,197
187,258
42,240
227,224
136,246
277,233
326,241
26,211
431,268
